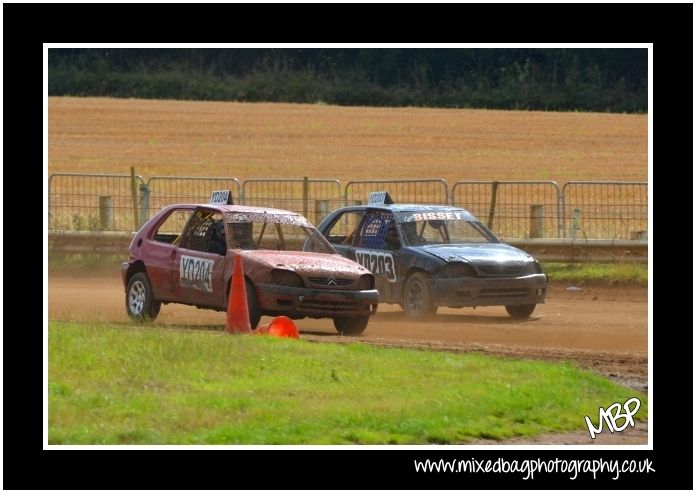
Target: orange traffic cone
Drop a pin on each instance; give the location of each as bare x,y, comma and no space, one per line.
262,329
279,327
237,307
283,327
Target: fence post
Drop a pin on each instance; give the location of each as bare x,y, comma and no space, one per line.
491,210
134,196
321,208
305,196
106,213
575,225
144,204
536,221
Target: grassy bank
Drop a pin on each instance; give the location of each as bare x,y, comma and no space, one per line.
610,273
111,384
96,265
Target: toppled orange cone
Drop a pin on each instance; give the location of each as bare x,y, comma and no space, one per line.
279,327
283,327
237,307
262,329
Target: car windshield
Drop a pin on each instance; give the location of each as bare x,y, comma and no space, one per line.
438,228
275,232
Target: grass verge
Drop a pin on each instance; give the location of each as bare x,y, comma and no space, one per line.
95,264
115,384
609,273
618,272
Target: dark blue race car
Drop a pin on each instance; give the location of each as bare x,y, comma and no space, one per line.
427,256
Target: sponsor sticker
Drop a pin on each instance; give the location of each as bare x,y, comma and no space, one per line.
379,263
428,216
197,273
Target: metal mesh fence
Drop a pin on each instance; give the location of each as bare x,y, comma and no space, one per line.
314,199
433,191
166,190
92,202
612,210
512,209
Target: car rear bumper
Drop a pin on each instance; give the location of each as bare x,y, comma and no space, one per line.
472,291
316,303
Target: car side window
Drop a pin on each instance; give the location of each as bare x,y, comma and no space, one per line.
343,229
378,231
170,230
205,232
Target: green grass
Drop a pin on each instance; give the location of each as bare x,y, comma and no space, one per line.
116,384
617,272
75,264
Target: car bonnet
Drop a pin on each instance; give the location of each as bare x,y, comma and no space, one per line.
489,252
309,263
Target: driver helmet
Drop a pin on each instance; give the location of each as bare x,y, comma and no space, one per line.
392,235
219,230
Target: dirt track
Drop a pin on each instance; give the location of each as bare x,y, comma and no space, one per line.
602,328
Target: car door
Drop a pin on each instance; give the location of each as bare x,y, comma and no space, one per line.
161,246
341,232
197,265
370,249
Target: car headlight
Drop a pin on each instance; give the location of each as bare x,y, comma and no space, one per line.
533,268
286,278
366,281
458,269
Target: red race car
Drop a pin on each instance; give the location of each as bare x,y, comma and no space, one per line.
185,253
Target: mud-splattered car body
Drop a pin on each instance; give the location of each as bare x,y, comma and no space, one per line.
185,254
439,256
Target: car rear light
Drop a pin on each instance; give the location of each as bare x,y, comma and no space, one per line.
286,278
366,281
459,269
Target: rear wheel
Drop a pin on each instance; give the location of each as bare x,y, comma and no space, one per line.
417,300
353,326
140,305
520,311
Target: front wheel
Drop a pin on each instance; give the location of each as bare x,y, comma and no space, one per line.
253,304
353,326
140,305
417,300
520,311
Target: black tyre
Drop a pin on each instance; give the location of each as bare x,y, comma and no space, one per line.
351,326
253,304
140,305
417,300
520,311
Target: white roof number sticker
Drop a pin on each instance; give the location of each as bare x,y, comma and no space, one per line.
222,197
379,198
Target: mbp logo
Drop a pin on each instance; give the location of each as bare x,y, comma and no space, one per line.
613,414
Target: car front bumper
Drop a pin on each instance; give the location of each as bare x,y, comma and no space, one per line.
316,303
487,291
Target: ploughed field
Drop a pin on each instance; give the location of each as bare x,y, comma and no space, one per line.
271,140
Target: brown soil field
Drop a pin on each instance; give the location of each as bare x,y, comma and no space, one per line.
271,140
